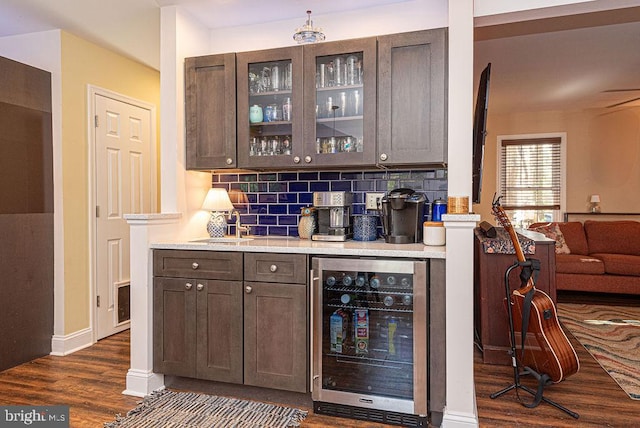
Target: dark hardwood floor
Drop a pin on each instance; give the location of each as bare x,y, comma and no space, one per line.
91,382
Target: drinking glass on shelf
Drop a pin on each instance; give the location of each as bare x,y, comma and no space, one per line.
286,110
342,104
355,103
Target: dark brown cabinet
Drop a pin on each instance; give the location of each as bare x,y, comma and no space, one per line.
340,103
210,111
198,314
349,103
491,319
275,321
270,107
412,101
209,324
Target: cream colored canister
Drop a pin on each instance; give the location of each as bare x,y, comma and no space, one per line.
433,233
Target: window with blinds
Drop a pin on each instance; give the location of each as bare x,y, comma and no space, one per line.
531,178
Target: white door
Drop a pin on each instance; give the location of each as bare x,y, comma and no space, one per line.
122,186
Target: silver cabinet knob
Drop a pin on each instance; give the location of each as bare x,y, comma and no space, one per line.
307,159
188,286
273,268
199,287
383,156
296,159
194,265
248,289
229,161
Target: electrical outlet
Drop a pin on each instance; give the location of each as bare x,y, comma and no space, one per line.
372,200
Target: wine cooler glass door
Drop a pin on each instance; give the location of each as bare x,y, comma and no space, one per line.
370,343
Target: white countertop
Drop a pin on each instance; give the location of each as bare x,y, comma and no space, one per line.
278,244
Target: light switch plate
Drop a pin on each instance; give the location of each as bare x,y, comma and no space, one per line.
372,200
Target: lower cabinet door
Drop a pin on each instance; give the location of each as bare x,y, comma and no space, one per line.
275,333
219,333
174,326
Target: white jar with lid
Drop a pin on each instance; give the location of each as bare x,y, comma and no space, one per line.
433,233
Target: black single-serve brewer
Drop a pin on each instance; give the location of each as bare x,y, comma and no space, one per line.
402,216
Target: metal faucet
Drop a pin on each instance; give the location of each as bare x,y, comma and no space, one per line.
239,227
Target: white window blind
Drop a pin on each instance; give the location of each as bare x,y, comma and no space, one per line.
531,174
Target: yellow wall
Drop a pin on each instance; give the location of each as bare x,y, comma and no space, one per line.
603,155
85,63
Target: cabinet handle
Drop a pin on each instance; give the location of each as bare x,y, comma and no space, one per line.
200,287
188,286
273,268
194,265
296,159
248,289
229,161
307,159
383,156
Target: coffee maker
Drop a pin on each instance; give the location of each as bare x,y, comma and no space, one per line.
402,216
334,216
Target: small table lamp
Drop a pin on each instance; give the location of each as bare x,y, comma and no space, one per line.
218,202
595,203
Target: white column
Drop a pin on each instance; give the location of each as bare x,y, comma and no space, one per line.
145,228
460,410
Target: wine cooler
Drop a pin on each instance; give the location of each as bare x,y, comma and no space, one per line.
369,339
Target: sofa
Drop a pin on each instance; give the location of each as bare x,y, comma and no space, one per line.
597,256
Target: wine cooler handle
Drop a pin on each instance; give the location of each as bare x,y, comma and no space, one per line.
312,282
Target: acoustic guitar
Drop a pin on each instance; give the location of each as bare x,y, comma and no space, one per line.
546,348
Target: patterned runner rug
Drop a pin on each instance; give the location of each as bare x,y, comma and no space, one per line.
187,409
611,334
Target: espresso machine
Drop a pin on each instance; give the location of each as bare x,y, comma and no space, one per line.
333,210
402,216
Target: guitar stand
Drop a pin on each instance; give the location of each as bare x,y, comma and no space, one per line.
543,379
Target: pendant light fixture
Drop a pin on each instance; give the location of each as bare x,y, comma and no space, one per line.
308,33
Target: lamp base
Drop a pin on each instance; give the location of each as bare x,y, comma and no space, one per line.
217,225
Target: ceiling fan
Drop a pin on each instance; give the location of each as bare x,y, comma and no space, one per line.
627,101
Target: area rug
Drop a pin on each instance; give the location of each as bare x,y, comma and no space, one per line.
170,409
611,334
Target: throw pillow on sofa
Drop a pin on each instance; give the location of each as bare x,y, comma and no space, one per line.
552,231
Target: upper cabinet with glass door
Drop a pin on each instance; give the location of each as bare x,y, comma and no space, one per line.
269,107
340,103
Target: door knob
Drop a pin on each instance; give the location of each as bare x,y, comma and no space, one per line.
229,161
248,289
296,159
194,265
200,287
188,286
273,268
307,159
383,156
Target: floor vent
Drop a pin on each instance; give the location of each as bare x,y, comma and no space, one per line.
380,416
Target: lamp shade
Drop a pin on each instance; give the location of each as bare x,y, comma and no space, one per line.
595,198
217,200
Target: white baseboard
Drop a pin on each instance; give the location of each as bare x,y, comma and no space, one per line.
70,343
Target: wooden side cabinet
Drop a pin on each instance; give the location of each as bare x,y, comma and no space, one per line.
412,100
275,321
209,324
491,320
197,322
210,111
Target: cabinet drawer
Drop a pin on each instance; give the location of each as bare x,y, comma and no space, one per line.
197,264
283,268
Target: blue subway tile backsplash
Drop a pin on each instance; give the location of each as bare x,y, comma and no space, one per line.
270,202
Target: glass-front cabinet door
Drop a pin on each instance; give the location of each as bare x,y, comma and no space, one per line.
340,103
270,107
